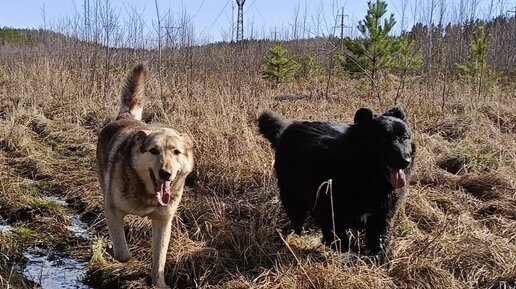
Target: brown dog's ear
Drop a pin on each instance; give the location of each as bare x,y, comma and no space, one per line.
187,140
139,137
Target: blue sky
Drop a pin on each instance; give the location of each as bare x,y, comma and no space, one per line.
212,18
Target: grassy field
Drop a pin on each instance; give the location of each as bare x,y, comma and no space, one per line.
458,228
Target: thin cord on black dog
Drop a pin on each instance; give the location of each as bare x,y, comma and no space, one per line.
336,239
318,193
329,189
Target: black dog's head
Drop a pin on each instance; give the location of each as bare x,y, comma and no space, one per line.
387,139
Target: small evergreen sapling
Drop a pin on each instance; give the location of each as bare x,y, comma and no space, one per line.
279,67
407,59
476,69
373,52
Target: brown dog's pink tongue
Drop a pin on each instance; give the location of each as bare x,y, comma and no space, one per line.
163,192
398,179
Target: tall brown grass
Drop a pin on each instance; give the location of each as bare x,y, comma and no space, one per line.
458,228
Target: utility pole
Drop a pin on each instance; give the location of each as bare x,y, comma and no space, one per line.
87,19
240,20
274,34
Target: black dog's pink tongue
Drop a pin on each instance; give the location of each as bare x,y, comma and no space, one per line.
163,192
398,179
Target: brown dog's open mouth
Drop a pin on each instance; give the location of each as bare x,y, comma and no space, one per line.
397,178
162,189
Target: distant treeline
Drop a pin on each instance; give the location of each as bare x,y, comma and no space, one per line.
442,47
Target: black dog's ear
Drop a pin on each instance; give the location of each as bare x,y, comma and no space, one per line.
397,112
363,114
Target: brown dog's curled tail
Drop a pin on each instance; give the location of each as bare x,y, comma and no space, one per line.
271,124
133,93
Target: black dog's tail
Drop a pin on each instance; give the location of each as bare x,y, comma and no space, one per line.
271,124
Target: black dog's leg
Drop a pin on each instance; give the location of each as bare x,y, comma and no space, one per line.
296,223
378,236
295,212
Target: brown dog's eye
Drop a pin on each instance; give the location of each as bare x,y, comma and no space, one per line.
154,151
177,152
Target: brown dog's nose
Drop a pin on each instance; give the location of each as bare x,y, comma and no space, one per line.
164,175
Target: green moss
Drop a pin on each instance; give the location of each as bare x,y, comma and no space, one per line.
27,191
24,232
44,205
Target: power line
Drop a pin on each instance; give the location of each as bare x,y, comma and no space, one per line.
216,18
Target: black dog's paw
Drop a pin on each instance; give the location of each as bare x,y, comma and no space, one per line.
377,258
349,257
299,230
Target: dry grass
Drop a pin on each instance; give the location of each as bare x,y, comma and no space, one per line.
458,229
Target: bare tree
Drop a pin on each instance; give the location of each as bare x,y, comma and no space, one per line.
473,5
489,10
109,22
295,22
134,26
442,12
403,13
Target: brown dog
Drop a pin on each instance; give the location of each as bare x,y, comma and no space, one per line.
142,170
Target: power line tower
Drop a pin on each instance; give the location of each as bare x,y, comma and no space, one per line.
240,20
341,25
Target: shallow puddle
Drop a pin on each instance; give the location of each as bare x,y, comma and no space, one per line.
56,200
5,228
79,229
52,270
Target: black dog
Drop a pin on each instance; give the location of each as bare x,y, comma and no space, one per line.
368,162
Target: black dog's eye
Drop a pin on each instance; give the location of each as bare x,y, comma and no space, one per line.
177,152
154,151
405,137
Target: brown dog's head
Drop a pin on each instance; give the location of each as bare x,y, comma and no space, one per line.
162,157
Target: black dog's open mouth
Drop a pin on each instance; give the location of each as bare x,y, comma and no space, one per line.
397,178
162,189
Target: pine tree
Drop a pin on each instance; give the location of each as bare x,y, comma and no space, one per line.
374,51
279,67
476,68
406,60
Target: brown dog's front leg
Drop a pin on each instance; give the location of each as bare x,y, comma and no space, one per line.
160,239
115,222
